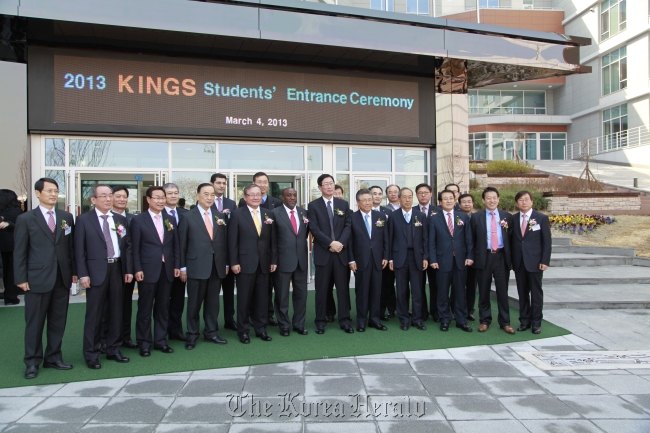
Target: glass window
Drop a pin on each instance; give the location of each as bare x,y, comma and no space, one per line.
59,176
344,181
371,159
382,5
419,7
531,145
410,181
614,71
488,4
558,145
545,146
497,146
194,155
478,146
410,160
314,158
512,102
116,153
188,181
614,125
54,152
342,159
613,18
259,157
507,102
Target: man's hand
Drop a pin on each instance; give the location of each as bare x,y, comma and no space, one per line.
85,282
177,273
435,266
543,267
469,262
184,276
384,263
390,265
23,286
274,267
139,276
227,269
336,247
236,269
128,278
3,225
75,279
425,264
353,267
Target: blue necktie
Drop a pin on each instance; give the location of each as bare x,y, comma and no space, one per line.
407,218
367,220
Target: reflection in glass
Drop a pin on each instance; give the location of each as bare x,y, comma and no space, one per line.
497,146
342,159
259,157
188,181
344,181
54,152
121,154
314,158
371,159
314,192
59,176
410,160
410,181
194,155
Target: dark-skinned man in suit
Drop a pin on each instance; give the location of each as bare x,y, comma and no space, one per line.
531,256
253,257
204,260
491,230
103,260
156,262
44,269
388,302
291,232
368,255
451,251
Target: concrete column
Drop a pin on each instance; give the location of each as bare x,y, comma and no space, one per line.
13,127
452,146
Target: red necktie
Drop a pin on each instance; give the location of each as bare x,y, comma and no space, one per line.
450,224
294,223
494,238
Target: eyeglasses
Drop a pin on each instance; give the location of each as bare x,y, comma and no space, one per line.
104,197
327,184
366,200
171,192
158,198
50,191
424,193
254,195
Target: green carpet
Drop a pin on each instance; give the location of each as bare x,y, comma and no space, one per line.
333,343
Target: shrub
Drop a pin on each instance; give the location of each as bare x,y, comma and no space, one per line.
473,166
509,167
580,224
473,184
507,199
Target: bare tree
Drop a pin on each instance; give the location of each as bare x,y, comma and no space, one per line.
22,178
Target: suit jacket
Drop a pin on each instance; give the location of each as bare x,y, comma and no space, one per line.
479,237
248,249
442,245
292,248
270,203
129,216
38,254
361,246
227,204
148,250
535,246
397,237
90,248
319,225
197,251
385,210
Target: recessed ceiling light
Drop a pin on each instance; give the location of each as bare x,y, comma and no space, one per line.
514,85
550,87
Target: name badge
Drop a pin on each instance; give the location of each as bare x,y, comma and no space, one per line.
536,227
68,231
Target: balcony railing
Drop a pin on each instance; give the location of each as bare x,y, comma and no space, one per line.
608,143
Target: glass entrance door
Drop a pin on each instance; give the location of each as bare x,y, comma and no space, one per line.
277,183
365,182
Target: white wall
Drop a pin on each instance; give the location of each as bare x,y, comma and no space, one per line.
636,157
13,122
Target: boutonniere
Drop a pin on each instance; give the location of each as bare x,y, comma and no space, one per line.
459,222
531,223
433,212
225,211
305,220
380,223
267,220
219,221
168,226
120,230
339,212
417,223
64,225
504,224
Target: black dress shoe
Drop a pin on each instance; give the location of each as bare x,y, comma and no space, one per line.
347,329
31,372
522,328
360,329
178,336
165,349
380,327
436,319
16,302
129,344
216,340
464,327
471,317
264,337
444,327
421,326
244,338
272,321
537,330
404,327
301,331
230,326
118,357
384,318
102,349
284,332
145,352
94,364
391,314
330,319
320,330
59,365
189,345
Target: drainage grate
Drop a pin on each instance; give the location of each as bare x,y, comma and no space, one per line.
588,360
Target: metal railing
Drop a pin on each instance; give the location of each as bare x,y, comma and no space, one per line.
629,138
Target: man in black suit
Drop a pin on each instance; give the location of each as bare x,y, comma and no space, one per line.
156,261
103,258
291,234
226,206
253,256
204,261
388,301
407,231
392,196
45,270
456,190
177,294
329,223
466,202
491,235
424,192
368,255
531,255
339,193
451,251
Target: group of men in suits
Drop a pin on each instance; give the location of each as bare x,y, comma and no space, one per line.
263,245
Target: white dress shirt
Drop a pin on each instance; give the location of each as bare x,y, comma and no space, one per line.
169,211
453,221
119,213
259,213
203,213
46,216
426,209
395,206
295,213
330,200
409,213
521,217
111,229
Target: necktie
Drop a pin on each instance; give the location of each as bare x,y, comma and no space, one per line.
159,228
50,221
219,204
424,210
294,223
367,220
494,238
110,250
258,226
450,223
173,212
208,223
330,214
407,218
523,225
